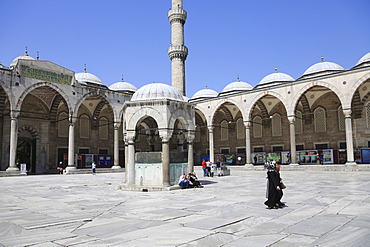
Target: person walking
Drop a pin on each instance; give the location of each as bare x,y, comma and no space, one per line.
204,167
93,168
273,192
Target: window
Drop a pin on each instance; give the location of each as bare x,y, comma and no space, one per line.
257,127
224,131
225,150
276,125
240,129
321,146
368,114
103,128
240,150
257,149
63,124
298,123
342,145
299,147
84,126
320,120
83,151
103,151
341,119
277,148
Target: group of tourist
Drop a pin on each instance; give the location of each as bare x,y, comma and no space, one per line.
274,191
189,181
209,169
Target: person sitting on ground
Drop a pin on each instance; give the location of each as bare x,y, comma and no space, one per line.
184,181
194,182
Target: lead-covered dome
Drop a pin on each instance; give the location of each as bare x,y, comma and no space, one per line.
25,56
87,78
364,59
277,77
237,86
205,93
156,91
323,67
123,86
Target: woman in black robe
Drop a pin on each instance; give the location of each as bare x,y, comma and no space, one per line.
274,192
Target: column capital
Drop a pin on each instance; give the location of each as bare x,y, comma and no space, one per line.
291,119
210,128
347,113
248,123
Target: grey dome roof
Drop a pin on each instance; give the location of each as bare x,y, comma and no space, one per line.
85,77
323,66
123,86
237,85
205,93
157,91
276,77
365,58
15,61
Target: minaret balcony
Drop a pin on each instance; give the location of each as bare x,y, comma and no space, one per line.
177,51
178,15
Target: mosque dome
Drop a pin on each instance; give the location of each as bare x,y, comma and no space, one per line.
237,86
205,93
321,67
87,78
156,91
25,56
123,86
364,59
275,77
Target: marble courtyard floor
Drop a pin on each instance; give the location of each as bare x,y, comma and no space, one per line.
323,209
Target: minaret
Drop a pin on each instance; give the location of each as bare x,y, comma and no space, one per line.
177,51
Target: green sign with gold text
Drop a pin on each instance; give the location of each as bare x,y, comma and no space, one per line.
45,75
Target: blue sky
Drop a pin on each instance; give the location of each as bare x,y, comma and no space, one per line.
225,38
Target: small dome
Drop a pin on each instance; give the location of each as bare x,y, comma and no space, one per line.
364,59
276,77
85,77
321,67
205,93
157,91
15,61
123,86
237,85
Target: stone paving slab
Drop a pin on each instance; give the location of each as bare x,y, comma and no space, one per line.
324,208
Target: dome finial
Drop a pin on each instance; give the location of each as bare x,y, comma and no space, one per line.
85,67
37,55
26,51
276,70
206,84
122,78
238,77
322,57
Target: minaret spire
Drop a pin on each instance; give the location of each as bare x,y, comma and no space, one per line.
177,51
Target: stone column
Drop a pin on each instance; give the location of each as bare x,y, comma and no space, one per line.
349,137
211,144
191,137
165,161
116,147
130,166
126,156
293,151
71,144
248,148
13,143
